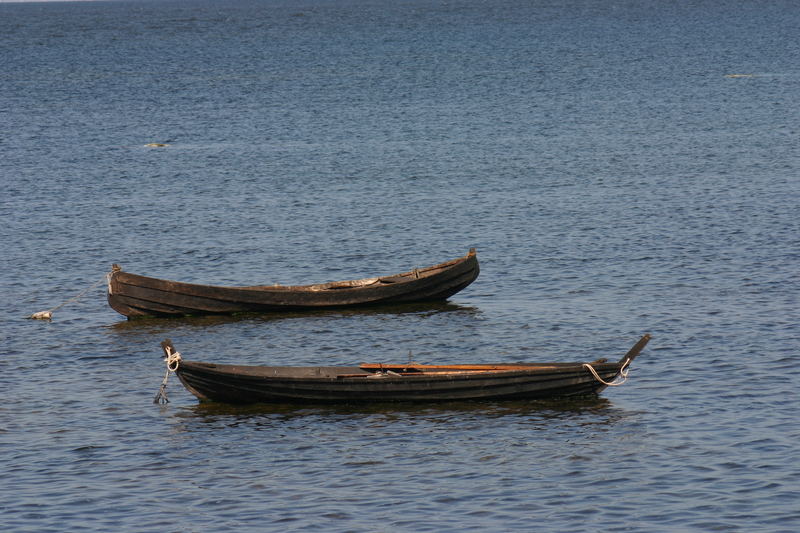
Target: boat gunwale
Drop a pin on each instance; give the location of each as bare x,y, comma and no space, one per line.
311,384
260,373
354,285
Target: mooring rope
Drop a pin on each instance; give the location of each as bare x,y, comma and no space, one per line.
622,372
48,314
173,360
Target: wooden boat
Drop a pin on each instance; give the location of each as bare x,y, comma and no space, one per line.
380,382
133,295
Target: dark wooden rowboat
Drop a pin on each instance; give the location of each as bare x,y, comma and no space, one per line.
369,383
134,296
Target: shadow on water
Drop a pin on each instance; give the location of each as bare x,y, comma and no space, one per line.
208,321
314,432
552,408
356,422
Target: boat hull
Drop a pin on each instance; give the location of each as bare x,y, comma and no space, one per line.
240,384
133,295
408,382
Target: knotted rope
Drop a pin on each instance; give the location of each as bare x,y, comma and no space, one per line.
622,372
48,314
173,360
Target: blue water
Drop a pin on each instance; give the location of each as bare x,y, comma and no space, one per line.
622,167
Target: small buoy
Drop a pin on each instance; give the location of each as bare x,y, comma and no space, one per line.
42,315
156,145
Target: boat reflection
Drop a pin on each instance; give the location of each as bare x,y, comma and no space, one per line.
158,325
552,408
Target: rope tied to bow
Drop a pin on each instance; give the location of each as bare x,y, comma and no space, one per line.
48,314
623,371
173,361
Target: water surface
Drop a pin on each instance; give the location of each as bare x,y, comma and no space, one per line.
621,167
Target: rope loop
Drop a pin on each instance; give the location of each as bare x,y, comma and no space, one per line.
173,360
622,372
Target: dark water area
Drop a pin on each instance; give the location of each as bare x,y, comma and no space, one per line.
621,167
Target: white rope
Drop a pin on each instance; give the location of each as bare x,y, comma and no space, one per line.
173,360
622,372
48,314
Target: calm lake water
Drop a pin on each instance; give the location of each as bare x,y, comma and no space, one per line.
622,167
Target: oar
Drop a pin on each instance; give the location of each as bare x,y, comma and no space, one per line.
468,367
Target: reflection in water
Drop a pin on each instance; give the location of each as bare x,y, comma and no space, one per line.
600,409
161,324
